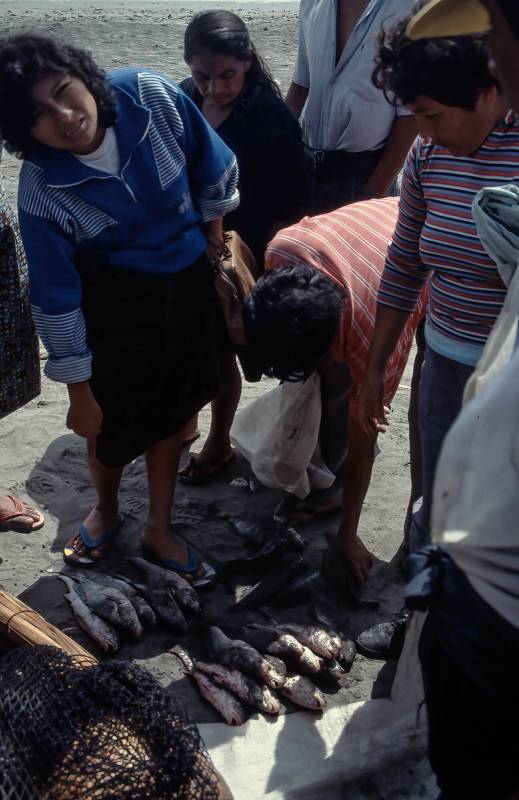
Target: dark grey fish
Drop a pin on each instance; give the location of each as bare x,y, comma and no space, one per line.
282,574
252,693
110,604
284,541
143,609
347,654
223,701
251,529
265,639
165,607
300,589
239,655
160,578
332,670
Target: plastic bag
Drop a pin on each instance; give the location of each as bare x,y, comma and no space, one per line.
278,434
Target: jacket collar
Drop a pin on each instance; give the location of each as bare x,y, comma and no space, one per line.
62,169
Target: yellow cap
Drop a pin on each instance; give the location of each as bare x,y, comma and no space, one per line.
448,18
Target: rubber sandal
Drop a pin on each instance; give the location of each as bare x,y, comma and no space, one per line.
8,519
188,570
71,555
199,480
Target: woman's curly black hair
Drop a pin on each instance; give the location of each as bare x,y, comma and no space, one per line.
453,71
290,320
27,59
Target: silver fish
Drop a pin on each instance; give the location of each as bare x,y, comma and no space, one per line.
144,610
277,663
160,578
223,701
111,605
97,629
239,655
318,640
286,646
302,692
260,697
308,661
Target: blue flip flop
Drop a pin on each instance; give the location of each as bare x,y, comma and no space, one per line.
70,554
194,562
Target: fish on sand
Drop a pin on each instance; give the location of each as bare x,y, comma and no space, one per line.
302,692
260,697
98,630
239,655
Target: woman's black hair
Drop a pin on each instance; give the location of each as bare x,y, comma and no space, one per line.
290,320
453,71
27,59
225,33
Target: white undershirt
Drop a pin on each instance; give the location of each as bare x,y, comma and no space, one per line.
106,157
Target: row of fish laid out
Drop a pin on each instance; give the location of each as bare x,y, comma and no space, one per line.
105,606
241,674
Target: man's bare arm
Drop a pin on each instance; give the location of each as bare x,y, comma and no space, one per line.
403,134
296,98
357,476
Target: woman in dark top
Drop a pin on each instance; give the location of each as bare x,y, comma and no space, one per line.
237,95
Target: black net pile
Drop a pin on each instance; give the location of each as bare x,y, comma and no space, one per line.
108,732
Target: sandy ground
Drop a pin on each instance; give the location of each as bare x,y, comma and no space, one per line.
40,460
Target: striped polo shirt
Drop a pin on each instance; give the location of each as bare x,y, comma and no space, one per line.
436,235
350,246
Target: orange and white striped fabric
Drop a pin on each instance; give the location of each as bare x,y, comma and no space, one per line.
350,245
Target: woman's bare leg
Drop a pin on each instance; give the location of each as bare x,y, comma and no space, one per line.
217,448
105,514
162,464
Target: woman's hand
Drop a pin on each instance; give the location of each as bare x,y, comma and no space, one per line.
372,413
215,241
84,415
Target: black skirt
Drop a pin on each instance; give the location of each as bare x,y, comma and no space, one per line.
154,352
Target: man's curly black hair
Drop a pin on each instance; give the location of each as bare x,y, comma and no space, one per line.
27,59
453,71
290,320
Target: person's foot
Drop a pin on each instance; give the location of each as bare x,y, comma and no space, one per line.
384,641
99,524
206,465
15,515
298,512
164,546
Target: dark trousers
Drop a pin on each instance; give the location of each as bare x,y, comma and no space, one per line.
470,662
442,383
337,178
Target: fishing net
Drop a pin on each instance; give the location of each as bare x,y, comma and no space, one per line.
106,732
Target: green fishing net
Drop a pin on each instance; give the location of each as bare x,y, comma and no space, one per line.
107,732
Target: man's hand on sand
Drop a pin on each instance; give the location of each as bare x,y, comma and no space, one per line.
357,555
371,411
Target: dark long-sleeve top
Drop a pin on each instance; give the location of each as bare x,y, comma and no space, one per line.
266,140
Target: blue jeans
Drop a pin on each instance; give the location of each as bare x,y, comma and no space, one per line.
440,397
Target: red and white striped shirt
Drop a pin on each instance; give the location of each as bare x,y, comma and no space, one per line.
350,247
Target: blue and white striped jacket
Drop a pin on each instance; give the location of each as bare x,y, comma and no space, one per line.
175,173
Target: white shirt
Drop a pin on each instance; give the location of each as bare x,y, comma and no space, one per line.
343,110
106,157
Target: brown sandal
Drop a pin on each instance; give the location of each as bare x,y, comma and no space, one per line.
10,519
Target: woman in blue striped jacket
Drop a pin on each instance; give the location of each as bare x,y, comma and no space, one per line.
121,197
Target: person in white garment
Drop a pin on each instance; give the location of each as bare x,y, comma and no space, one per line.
469,577
356,139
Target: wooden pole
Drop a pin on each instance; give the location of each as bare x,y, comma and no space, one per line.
22,625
